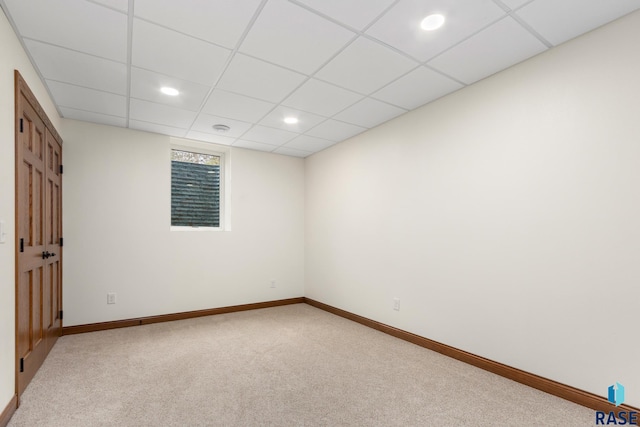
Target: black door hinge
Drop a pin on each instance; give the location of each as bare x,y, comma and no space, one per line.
61,312
61,240
60,169
22,364
21,245
21,125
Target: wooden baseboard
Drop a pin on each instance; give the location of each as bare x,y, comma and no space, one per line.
6,415
555,388
94,327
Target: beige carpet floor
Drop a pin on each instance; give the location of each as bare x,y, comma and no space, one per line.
285,366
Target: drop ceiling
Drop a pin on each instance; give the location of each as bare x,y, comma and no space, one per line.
339,66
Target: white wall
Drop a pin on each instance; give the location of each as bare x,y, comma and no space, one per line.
506,217
12,57
117,234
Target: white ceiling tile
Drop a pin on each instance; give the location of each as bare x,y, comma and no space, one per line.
205,122
218,21
293,37
174,54
76,24
86,116
417,88
146,85
252,145
68,66
514,4
209,137
80,98
157,128
400,27
355,13
559,21
321,98
122,5
292,152
334,130
471,60
305,120
235,106
369,113
268,135
258,79
309,143
160,114
365,66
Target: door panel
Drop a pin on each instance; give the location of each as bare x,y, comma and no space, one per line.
39,229
53,217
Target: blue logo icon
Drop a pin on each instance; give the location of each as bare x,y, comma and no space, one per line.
616,394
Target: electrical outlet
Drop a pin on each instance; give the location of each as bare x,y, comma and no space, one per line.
396,304
111,298
273,283
3,232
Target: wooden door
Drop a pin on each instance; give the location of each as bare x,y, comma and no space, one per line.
53,227
38,232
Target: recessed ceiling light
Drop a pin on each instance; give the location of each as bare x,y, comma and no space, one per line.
169,91
221,128
291,120
432,22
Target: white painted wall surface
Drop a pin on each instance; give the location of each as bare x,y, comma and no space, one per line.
12,57
506,217
117,216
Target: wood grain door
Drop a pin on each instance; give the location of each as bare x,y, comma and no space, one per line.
38,232
53,228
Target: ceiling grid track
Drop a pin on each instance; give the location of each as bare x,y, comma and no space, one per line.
342,67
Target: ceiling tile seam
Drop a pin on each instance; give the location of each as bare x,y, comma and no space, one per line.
87,110
421,105
530,29
106,6
75,50
362,33
279,145
244,34
351,105
159,124
175,107
340,23
129,56
443,74
406,110
470,36
370,94
243,95
299,151
171,76
502,6
273,147
124,95
182,33
93,112
5,10
336,120
523,5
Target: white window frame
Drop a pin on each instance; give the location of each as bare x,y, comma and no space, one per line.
224,153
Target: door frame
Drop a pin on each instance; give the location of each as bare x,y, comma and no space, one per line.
22,91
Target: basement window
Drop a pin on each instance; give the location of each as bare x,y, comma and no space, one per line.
196,189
